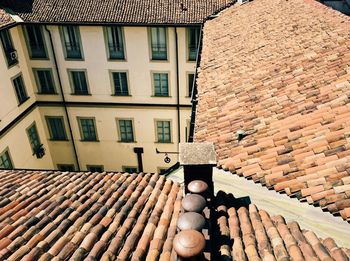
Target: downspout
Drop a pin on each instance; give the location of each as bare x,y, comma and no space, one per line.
194,87
177,89
63,99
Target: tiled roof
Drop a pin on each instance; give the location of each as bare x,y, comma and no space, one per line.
247,233
5,18
282,74
115,11
113,216
61,216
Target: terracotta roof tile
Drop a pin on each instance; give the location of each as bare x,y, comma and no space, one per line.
114,11
281,74
92,216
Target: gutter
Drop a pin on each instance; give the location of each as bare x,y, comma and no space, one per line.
63,99
177,88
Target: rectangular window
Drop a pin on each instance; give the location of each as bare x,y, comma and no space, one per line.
71,41
35,41
20,89
158,43
9,49
114,35
163,132
193,42
88,129
126,131
190,83
65,167
5,161
56,128
45,81
33,136
79,82
120,83
94,168
129,169
161,86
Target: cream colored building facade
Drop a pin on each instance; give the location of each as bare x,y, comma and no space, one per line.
151,115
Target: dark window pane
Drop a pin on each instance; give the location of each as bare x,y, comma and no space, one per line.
130,169
115,42
88,130
94,168
33,138
35,41
190,84
120,82
9,49
158,43
193,41
161,84
65,167
57,129
79,82
20,89
126,131
5,161
71,41
45,81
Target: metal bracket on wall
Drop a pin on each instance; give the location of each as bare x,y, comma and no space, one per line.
166,159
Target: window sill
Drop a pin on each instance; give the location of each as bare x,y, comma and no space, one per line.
40,58
120,141
89,140
191,61
74,59
159,60
81,94
19,104
58,140
120,95
116,60
161,142
158,96
44,93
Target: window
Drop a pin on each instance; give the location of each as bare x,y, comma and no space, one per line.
126,131
9,49
5,160
35,41
115,43
129,169
160,82
190,83
56,128
79,82
71,41
87,129
33,136
158,43
163,132
120,83
44,81
65,167
20,89
94,168
193,42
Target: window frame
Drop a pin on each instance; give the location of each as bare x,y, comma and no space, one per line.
6,152
47,118
78,37
166,44
29,49
37,136
154,86
81,129
71,82
170,130
111,72
20,102
5,52
105,33
94,166
188,43
37,81
119,130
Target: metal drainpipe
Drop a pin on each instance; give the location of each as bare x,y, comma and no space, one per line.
178,88
63,98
